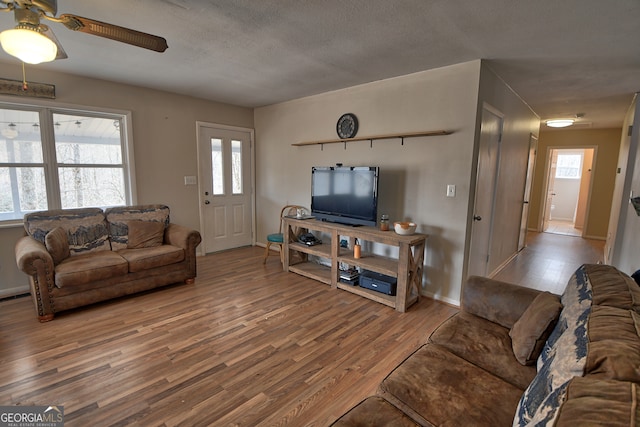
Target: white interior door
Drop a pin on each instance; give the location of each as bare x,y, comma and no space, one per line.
531,162
225,188
551,180
585,189
488,158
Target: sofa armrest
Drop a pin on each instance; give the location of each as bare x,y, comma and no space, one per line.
33,259
500,302
187,239
182,237
29,253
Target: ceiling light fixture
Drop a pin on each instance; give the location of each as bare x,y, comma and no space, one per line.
28,44
559,123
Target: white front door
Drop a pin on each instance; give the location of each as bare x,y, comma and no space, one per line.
225,188
487,175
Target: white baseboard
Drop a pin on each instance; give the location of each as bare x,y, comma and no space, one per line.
441,298
12,292
594,237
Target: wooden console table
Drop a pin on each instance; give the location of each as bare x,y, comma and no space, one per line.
407,268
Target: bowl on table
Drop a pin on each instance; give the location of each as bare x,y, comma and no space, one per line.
404,227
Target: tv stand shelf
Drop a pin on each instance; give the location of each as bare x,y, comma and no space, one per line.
407,268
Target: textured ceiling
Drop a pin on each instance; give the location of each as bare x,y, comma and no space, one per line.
562,57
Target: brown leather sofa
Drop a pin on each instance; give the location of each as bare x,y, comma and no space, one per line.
76,257
517,356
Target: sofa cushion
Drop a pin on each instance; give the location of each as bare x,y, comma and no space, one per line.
613,288
57,244
531,331
484,344
147,258
90,267
614,344
374,411
145,234
118,218
591,402
86,228
435,386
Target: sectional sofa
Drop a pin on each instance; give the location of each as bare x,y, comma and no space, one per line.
521,357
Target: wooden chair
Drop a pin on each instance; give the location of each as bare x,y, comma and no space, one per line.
278,238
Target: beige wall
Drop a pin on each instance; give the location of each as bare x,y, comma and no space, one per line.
623,245
607,142
164,132
413,177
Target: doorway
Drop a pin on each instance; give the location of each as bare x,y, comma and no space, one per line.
568,190
225,177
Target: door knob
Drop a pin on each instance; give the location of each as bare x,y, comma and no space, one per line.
206,202
477,218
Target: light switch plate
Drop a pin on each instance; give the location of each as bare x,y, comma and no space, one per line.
190,180
451,190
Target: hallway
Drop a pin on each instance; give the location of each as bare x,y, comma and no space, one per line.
549,260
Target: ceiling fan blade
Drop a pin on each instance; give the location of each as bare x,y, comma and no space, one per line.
46,31
114,32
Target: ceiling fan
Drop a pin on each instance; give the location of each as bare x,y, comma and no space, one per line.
33,42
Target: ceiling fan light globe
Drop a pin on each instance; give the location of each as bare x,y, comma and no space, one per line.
28,45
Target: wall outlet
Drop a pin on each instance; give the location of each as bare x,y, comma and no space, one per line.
451,190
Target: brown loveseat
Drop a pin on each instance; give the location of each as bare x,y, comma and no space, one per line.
75,257
507,358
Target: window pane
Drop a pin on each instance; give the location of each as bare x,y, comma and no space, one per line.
15,151
20,140
216,166
569,166
100,187
236,166
26,191
87,140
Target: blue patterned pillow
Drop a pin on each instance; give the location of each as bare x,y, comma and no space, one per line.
563,357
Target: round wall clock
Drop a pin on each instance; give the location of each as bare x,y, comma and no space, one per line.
347,126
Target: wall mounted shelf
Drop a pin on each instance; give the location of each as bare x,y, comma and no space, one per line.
372,138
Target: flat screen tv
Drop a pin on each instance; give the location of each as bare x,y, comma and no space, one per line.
346,195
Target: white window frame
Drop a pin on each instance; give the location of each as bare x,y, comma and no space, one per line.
46,110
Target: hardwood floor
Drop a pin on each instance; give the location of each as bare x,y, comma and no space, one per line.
246,345
549,260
